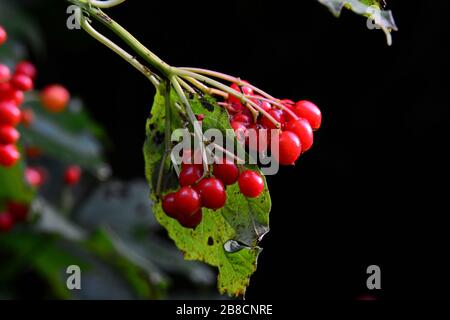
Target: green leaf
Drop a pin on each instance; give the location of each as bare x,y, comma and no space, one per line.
372,9
226,238
13,185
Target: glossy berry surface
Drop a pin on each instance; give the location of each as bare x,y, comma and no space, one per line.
9,114
191,221
27,117
34,176
278,115
72,175
188,201
3,35
55,98
227,172
303,130
18,211
212,192
251,184
309,111
8,135
9,155
5,73
290,148
169,205
232,99
190,175
6,222
22,82
26,68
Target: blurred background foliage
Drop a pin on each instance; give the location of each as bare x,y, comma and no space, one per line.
103,224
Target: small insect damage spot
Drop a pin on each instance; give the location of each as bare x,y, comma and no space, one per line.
210,241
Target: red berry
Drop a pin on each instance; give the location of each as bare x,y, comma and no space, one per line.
35,176
55,98
8,135
240,130
3,35
212,192
242,118
5,73
290,148
6,221
227,172
309,111
251,184
27,117
232,99
169,205
188,201
9,94
72,175
18,211
9,114
247,90
190,175
191,158
191,221
9,155
265,105
262,138
278,115
200,117
303,130
26,68
22,82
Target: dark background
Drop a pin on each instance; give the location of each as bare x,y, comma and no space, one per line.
373,189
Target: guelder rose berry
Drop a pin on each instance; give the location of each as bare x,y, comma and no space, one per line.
3,35
169,205
8,135
5,73
26,68
227,172
251,184
6,222
309,111
18,211
9,155
190,175
188,201
303,130
55,98
212,192
72,175
191,221
290,148
22,82
9,114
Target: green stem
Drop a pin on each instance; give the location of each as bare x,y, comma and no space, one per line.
197,129
105,4
128,38
167,136
122,53
221,86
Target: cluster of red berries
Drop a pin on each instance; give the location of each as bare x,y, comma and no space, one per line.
296,122
12,87
196,192
15,213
